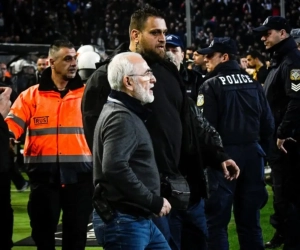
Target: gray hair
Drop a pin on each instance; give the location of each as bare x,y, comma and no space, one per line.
119,66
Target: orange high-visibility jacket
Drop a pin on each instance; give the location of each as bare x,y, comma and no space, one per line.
54,135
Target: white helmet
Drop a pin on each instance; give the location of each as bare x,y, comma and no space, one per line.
86,63
85,48
23,64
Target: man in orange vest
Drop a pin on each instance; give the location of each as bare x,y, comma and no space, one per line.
56,154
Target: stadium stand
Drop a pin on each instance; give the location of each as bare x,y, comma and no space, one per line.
105,22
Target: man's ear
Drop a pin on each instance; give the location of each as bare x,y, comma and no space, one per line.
283,33
127,83
51,62
134,35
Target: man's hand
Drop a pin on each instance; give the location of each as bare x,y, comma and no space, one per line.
4,100
280,143
230,169
165,209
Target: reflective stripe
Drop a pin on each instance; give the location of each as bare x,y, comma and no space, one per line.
70,130
57,158
54,131
17,120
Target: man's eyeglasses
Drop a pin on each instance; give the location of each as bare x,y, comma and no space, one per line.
148,73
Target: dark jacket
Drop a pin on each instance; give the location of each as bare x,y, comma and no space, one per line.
192,80
94,98
236,106
123,157
4,146
282,87
262,74
8,83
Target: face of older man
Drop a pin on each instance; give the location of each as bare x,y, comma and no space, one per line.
142,81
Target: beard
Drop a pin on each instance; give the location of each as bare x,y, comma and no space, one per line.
143,95
150,54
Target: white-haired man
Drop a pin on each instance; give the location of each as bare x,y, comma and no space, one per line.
125,172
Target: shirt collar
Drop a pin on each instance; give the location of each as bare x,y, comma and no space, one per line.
131,103
47,84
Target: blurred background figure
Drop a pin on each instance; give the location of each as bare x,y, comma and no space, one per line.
191,77
256,66
199,64
189,53
23,75
41,64
175,46
295,33
87,62
5,81
243,62
86,48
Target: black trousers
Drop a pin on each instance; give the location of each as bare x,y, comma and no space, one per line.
286,189
15,173
46,201
6,213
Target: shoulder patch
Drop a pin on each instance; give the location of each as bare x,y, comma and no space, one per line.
295,74
200,100
295,87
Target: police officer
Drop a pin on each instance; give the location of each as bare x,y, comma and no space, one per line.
236,106
282,90
191,78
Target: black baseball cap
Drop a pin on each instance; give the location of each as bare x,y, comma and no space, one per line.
295,33
274,23
220,44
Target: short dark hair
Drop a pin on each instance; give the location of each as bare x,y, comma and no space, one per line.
42,57
190,48
255,54
58,44
140,16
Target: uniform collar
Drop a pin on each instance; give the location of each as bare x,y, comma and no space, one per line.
47,84
223,67
282,48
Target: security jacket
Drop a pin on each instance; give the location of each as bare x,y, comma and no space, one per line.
236,106
282,88
55,143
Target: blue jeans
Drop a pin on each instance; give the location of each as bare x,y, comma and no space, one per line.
188,228
247,195
99,227
128,232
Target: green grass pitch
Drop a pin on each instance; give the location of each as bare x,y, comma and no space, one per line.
22,227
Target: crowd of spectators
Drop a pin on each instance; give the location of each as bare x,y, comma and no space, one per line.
105,22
